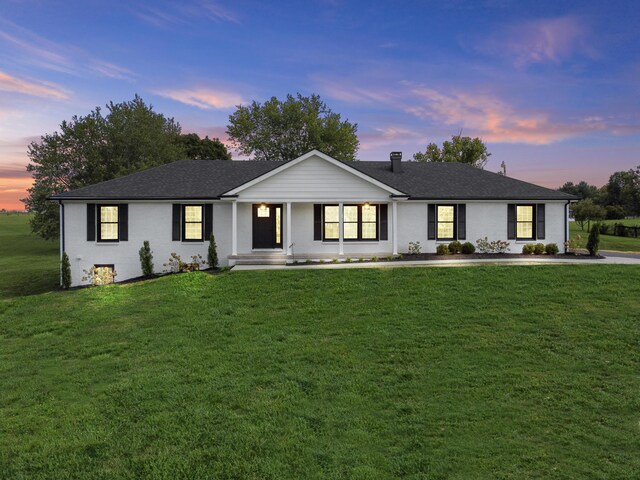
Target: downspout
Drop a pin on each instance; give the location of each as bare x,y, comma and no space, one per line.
61,236
566,225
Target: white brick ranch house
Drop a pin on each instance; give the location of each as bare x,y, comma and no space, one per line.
312,207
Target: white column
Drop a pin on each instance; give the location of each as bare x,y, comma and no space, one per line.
288,232
341,229
234,228
394,222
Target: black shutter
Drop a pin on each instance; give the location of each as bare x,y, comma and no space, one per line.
431,222
208,220
462,222
91,222
175,223
123,222
511,221
384,221
317,221
540,214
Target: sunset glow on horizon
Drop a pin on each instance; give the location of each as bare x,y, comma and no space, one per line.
553,88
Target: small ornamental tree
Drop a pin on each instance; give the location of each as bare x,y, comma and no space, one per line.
593,242
212,254
66,271
146,259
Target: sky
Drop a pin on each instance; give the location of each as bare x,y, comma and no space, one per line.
552,87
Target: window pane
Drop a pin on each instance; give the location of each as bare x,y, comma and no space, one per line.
369,213
331,231
525,213
368,230
109,231
193,214
445,214
350,230
263,211
525,230
108,214
278,225
193,231
331,214
445,230
351,213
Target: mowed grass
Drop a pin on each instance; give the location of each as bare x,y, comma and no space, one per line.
483,372
28,264
608,242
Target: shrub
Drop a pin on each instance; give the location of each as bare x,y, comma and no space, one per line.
551,249
389,258
374,259
593,242
361,259
66,271
308,261
415,248
538,248
619,230
497,246
348,260
455,247
212,252
615,212
99,276
442,249
175,264
334,260
468,248
573,244
528,249
146,259
604,229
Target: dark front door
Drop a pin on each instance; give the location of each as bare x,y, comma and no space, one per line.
267,226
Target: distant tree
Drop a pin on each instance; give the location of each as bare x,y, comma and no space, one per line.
623,188
615,212
94,148
283,130
582,189
586,211
471,151
197,148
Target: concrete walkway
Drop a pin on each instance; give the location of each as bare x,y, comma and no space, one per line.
618,258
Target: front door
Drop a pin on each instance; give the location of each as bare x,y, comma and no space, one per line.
267,226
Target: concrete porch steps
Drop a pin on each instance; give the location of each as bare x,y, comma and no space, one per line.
259,258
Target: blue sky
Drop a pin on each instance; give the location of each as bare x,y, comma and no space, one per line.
552,87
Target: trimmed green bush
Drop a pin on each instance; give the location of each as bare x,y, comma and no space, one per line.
468,248
538,249
146,259
528,249
442,249
455,247
212,253
551,249
593,243
66,271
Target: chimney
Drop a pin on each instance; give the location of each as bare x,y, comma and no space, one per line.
396,162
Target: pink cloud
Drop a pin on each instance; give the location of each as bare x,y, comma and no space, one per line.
205,98
390,135
42,89
540,41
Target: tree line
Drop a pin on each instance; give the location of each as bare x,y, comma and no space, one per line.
617,199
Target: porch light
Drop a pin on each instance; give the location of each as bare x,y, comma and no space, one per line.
366,204
263,210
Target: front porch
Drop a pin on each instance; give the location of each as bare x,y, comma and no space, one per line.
278,233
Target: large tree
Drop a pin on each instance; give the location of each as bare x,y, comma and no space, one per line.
623,189
582,189
586,211
471,151
282,130
97,147
197,148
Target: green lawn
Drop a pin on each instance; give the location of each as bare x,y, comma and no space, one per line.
28,264
484,372
609,242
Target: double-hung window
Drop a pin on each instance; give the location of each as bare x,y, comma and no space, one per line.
360,222
524,222
192,224
446,220
108,223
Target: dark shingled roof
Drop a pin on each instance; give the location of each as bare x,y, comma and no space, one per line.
206,179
